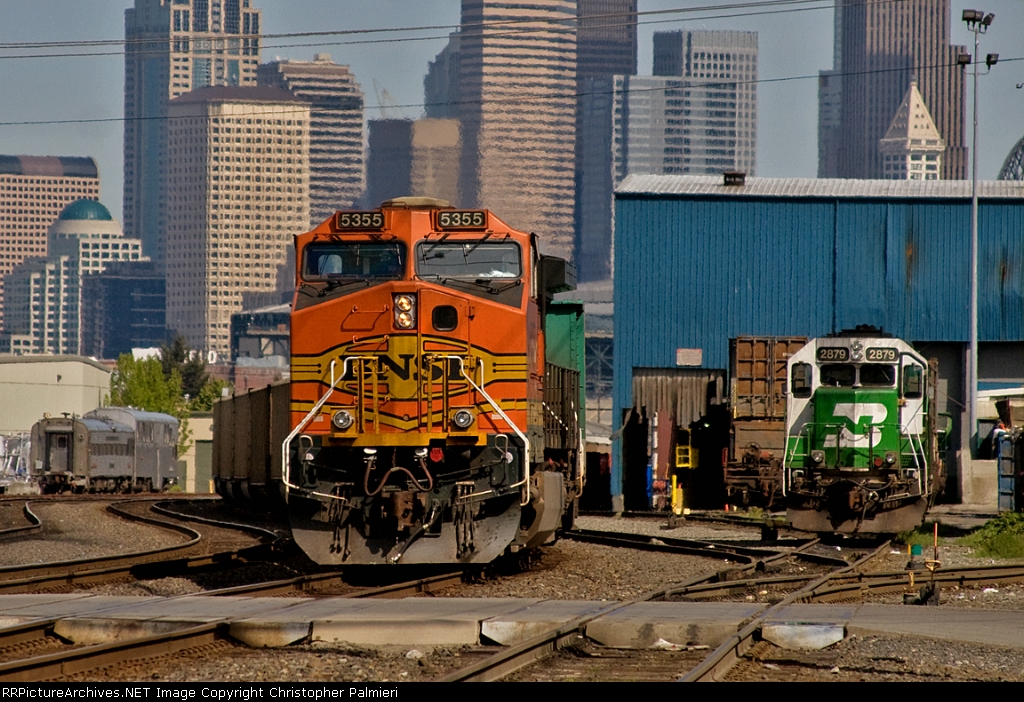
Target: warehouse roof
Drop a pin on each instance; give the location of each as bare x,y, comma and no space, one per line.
817,187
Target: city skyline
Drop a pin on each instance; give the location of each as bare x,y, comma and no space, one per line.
794,47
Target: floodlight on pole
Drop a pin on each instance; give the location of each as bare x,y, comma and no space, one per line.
977,22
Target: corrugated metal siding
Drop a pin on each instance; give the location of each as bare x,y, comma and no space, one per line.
693,272
686,185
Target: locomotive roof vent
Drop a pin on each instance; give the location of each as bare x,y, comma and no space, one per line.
417,202
734,178
860,330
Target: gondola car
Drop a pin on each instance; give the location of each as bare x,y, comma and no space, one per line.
863,452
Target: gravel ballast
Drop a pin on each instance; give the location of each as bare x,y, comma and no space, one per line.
73,531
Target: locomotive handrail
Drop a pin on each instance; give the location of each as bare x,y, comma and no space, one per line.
526,442
286,444
902,428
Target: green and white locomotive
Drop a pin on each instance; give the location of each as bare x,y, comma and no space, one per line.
862,435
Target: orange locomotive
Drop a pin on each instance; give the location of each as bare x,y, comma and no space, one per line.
427,425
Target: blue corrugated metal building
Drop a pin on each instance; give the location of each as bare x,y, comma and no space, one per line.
698,262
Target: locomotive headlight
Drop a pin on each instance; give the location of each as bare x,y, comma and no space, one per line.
405,311
462,419
342,419
890,457
817,457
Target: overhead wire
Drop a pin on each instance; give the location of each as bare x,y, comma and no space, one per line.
681,82
560,26
468,26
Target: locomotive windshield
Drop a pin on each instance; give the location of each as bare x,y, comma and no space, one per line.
838,375
877,375
338,260
468,259
844,375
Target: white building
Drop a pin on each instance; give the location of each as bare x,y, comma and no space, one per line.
238,191
912,148
33,192
44,294
34,386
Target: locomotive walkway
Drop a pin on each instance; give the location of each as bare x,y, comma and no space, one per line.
280,621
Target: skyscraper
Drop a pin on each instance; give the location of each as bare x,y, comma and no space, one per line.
33,192
124,307
413,157
238,169
651,125
172,47
605,38
44,295
722,66
337,167
881,48
912,148
441,96
517,86
606,46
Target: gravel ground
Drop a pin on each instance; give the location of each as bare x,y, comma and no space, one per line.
227,662
887,659
572,570
697,531
82,530
12,515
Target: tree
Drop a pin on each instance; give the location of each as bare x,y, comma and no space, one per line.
140,383
210,393
196,387
189,364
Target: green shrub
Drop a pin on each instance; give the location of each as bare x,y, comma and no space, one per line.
923,535
1002,537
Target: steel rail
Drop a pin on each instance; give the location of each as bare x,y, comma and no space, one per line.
306,583
710,549
509,660
669,545
146,563
900,581
723,658
164,507
78,660
35,523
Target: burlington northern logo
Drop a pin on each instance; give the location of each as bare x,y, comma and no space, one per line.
876,413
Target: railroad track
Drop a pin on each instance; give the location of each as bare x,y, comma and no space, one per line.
71,660
721,550
150,563
34,523
841,584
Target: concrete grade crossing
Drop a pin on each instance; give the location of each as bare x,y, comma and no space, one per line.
426,621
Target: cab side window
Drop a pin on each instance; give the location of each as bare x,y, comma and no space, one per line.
800,379
913,382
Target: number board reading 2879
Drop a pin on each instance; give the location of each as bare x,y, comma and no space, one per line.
833,353
359,220
881,354
461,219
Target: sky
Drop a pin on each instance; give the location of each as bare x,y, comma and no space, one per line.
793,47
